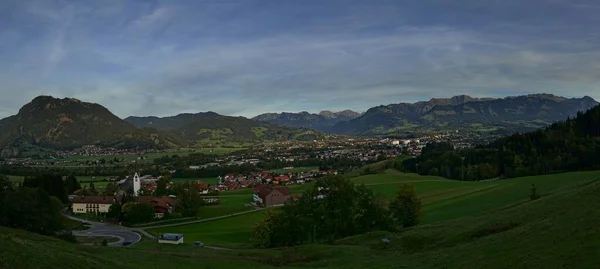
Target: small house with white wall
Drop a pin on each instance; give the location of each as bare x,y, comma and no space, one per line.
174,239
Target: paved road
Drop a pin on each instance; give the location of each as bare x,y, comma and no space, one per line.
104,229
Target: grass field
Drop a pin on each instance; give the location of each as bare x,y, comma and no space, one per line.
228,205
295,169
76,161
230,232
442,199
557,231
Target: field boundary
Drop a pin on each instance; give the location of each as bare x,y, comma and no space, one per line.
202,220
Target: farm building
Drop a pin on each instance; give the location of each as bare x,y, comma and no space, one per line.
270,196
174,239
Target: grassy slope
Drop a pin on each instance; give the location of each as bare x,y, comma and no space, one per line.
557,231
442,200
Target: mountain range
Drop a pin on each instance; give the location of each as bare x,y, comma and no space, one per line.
322,121
509,114
48,123
210,128
51,123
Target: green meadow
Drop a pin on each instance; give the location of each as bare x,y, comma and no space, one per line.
442,200
466,225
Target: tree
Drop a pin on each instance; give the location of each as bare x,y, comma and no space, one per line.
188,199
72,184
135,212
161,187
333,208
5,184
266,230
368,211
31,209
53,184
114,211
405,209
104,243
110,189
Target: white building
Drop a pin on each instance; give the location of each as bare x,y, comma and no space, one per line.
174,239
92,204
137,185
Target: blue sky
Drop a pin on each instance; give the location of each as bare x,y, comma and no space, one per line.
248,57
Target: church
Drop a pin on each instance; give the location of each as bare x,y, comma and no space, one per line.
131,183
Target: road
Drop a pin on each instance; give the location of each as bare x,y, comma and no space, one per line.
103,229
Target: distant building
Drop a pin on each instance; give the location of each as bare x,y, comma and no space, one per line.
92,204
174,239
270,196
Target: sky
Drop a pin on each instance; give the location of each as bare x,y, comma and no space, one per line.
248,57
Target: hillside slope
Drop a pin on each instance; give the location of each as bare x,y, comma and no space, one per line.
322,121
570,145
210,128
510,114
557,231
48,122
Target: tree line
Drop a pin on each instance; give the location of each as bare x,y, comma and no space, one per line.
570,145
31,208
334,208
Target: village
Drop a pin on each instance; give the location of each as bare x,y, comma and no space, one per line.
361,148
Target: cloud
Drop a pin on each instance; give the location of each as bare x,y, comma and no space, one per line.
241,58
158,15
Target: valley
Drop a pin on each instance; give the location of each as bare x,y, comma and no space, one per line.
476,191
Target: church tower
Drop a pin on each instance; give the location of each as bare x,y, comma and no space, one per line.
136,184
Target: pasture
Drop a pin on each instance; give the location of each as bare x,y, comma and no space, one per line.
558,230
442,200
230,232
125,159
295,169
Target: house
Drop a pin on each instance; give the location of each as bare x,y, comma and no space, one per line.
202,187
270,196
174,239
92,204
161,205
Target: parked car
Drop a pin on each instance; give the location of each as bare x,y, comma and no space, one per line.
126,243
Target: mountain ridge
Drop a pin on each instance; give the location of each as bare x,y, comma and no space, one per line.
210,127
54,123
321,121
513,113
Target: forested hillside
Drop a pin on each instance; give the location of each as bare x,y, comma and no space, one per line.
569,145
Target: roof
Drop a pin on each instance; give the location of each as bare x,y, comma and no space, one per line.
267,190
93,199
258,188
284,190
164,201
171,237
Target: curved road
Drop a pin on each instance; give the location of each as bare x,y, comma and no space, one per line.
103,229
